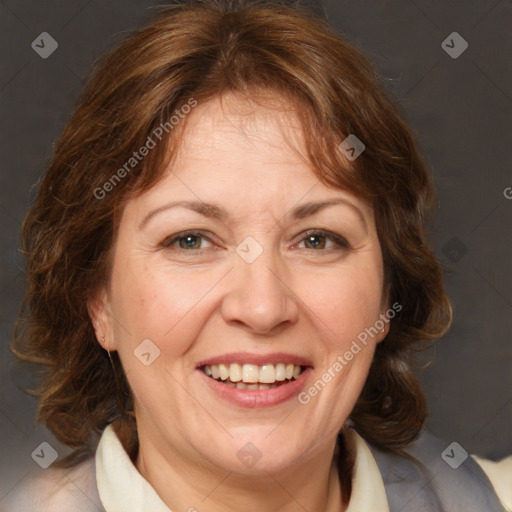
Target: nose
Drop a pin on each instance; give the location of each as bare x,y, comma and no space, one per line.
257,296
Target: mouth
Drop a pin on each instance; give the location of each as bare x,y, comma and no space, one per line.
255,380
253,377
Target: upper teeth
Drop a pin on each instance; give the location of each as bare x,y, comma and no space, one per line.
251,373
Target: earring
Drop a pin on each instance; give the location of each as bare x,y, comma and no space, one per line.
108,351
109,356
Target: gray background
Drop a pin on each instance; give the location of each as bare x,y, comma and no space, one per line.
460,108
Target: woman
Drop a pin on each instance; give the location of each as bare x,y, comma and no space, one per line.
228,274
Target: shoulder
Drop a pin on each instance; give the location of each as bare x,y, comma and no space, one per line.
56,490
484,475
500,475
436,475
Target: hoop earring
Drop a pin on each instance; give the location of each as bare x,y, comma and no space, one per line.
108,352
109,356
129,413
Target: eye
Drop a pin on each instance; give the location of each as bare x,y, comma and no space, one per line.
187,240
318,239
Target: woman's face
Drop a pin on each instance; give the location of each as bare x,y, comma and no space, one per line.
241,257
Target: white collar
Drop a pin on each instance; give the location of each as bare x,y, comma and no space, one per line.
123,489
120,485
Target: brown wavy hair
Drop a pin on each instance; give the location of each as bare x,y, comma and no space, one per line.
203,50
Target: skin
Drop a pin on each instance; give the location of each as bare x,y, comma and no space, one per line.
301,296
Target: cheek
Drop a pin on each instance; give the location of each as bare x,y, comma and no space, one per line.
158,303
346,304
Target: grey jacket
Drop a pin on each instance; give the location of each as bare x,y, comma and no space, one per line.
428,486
432,485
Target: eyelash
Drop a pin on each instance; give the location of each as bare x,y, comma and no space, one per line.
340,241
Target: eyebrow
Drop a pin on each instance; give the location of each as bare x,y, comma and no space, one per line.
206,209
219,213
309,209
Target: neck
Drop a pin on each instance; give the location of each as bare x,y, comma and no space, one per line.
187,484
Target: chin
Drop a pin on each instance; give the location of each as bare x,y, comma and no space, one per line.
257,453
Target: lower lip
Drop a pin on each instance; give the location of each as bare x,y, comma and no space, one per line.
253,398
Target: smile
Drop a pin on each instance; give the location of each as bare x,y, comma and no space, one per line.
252,376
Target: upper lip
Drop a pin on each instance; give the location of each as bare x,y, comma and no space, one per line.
257,359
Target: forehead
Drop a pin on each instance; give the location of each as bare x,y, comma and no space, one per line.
249,155
231,124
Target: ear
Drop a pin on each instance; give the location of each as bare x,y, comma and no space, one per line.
383,324
386,314
383,319
101,318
